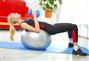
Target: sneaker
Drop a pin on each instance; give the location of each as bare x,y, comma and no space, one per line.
70,45
79,52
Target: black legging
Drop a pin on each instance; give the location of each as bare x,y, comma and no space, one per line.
64,27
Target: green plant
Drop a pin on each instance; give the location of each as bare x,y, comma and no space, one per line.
49,4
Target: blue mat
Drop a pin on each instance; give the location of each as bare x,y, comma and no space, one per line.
19,46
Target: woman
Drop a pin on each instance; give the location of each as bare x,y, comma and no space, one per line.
35,26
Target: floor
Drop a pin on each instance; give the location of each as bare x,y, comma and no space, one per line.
20,55
32,55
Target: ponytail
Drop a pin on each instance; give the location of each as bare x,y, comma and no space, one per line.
12,31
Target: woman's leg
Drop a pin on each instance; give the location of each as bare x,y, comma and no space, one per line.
67,27
71,29
72,33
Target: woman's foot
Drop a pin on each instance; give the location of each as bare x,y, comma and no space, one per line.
70,45
79,52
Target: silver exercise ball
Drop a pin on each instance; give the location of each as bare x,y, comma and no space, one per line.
33,40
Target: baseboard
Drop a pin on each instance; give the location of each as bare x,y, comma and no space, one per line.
83,37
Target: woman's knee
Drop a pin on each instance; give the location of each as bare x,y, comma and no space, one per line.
75,27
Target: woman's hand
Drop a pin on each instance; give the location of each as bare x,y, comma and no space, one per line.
34,13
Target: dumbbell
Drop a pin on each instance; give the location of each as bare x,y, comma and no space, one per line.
37,12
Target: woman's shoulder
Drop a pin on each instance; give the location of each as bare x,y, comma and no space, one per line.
26,21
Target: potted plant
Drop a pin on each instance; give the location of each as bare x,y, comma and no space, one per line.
49,6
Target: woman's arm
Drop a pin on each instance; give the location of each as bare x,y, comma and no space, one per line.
37,27
30,28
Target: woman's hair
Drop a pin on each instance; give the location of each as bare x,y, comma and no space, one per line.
11,20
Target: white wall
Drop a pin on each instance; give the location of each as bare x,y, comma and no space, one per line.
76,10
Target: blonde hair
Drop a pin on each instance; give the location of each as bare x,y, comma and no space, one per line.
11,18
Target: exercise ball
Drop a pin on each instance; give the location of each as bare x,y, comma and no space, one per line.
33,40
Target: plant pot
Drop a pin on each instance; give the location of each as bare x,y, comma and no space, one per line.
48,13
